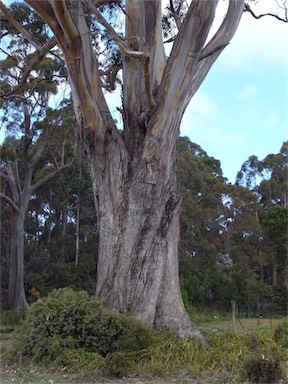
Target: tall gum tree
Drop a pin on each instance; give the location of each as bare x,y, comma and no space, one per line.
35,149
19,181
134,171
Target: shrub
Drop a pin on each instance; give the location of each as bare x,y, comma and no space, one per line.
260,369
78,360
119,363
11,318
281,334
185,298
66,320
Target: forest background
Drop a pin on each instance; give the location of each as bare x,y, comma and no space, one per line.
233,236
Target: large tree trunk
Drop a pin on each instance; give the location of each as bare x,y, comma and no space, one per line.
134,172
138,208
16,292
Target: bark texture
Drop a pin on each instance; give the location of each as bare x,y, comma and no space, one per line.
134,172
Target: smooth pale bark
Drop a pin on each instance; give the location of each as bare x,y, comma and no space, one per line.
134,172
16,292
18,198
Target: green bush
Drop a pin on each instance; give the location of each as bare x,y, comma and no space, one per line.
281,334
261,369
119,363
11,318
67,320
185,298
79,360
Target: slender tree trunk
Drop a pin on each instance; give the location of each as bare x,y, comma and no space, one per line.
259,245
274,274
16,292
64,217
261,263
77,233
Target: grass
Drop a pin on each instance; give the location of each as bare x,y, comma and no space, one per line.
248,324
170,359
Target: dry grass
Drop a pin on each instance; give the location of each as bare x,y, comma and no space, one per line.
247,324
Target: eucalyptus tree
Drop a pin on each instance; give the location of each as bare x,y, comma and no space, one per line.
134,170
33,150
201,185
20,179
267,180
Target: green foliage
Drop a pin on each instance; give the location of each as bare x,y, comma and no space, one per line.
11,318
225,351
128,345
207,316
68,321
79,360
185,298
281,334
276,223
259,369
119,363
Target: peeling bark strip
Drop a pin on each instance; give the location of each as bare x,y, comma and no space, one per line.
167,217
134,172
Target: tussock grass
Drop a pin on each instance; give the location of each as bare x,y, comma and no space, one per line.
225,351
57,333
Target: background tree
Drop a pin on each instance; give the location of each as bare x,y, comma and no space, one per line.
19,183
134,171
237,255
29,123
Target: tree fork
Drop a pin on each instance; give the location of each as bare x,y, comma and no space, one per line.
134,172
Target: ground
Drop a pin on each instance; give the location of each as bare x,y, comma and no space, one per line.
33,375
24,376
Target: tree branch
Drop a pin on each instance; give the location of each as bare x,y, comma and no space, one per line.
64,18
219,41
8,175
9,201
132,53
175,15
40,150
207,52
45,10
36,59
18,26
114,34
248,9
111,74
45,178
98,3
186,51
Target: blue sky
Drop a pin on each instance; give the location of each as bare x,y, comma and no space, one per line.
241,108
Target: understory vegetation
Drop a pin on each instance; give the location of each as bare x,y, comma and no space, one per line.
72,331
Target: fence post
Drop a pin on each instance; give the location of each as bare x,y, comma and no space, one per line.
233,314
258,314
